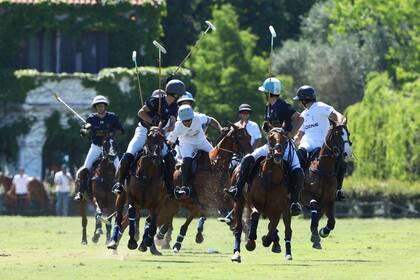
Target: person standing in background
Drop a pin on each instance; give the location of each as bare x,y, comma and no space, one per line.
62,180
20,188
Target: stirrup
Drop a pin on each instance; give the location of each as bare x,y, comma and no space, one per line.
339,196
117,188
78,197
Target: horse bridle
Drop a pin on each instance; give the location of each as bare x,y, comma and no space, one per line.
277,145
240,145
155,150
106,154
333,151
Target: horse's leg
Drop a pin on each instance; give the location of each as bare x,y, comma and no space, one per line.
237,230
199,237
329,212
132,243
288,234
182,233
137,234
276,248
151,235
168,236
272,231
98,224
83,210
315,239
116,234
143,246
255,217
108,230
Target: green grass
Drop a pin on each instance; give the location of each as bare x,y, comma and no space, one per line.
49,248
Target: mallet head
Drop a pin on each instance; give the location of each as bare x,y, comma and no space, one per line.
159,46
272,31
210,25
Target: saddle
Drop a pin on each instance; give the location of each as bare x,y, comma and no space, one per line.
306,158
257,171
133,168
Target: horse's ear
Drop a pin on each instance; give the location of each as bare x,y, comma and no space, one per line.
232,125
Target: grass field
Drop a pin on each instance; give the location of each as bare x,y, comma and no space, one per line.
49,248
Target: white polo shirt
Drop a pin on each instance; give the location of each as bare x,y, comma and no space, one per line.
62,182
193,134
21,183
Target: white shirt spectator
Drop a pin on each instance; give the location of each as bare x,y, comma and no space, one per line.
21,183
62,181
253,130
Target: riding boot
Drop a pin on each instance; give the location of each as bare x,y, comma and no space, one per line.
247,163
303,157
168,173
186,177
341,171
122,172
296,185
82,182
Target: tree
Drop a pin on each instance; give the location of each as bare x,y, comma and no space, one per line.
227,73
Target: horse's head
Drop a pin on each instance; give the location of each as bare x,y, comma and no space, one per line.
336,138
277,142
237,140
154,145
108,150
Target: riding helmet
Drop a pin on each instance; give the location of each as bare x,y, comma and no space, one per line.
185,112
100,99
244,108
175,87
272,86
186,97
305,93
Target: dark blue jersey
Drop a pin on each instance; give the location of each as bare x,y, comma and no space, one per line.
166,111
281,113
102,127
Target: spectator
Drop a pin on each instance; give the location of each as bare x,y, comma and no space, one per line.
20,188
62,180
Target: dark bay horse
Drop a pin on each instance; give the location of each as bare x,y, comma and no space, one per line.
319,192
100,185
144,190
36,193
266,193
211,176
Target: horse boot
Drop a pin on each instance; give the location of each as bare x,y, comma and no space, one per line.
303,158
186,188
247,163
296,184
341,171
169,163
81,183
122,173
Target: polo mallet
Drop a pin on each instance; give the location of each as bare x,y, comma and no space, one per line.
270,68
209,26
161,50
68,107
134,58
105,220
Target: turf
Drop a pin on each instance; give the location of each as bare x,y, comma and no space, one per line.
49,248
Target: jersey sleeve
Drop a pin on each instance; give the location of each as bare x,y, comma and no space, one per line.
289,112
325,109
90,119
152,104
204,119
173,135
117,124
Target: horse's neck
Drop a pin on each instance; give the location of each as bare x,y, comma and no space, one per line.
224,159
276,171
146,167
326,161
104,167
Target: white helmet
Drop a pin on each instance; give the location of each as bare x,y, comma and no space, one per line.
100,99
185,112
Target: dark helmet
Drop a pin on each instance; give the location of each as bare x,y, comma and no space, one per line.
305,93
175,87
245,107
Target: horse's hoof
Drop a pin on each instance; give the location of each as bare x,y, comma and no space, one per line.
155,251
95,238
236,258
142,247
132,244
158,242
276,247
84,242
288,257
315,238
316,246
199,238
112,245
250,245
166,246
322,233
266,241
176,248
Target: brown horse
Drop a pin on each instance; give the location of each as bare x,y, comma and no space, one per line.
36,194
266,194
319,192
145,190
101,182
211,176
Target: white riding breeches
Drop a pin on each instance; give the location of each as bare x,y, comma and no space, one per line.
290,155
94,154
187,149
138,141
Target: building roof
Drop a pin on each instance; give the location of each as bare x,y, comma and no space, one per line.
84,2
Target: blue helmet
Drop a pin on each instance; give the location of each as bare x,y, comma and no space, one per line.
186,97
185,112
272,86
